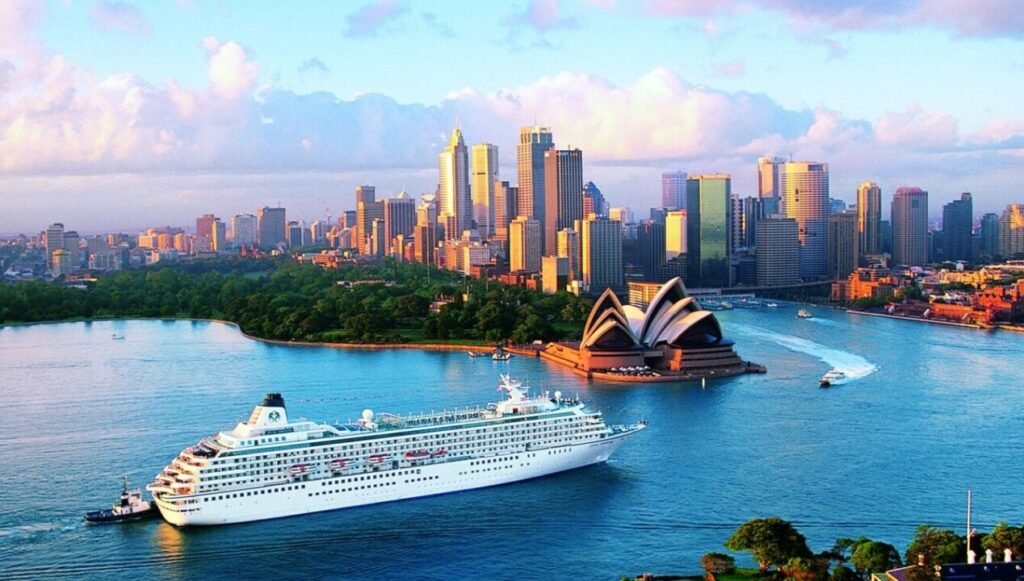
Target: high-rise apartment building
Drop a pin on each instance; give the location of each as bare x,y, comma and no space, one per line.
270,225
455,207
524,245
569,248
804,193
957,225
533,142
485,177
708,230
54,240
673,190
399,218
778,251
243,229
910,227
843,245
1011,231
218,236
768,183
554,274
675,234
869,218
204,225
601,254
563,187
366,213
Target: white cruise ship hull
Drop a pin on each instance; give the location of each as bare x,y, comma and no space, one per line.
358,489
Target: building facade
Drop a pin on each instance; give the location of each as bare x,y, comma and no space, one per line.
601,253
843,245
270,224
673,190
484,177
524,245
778,251
957,226
708,230
533,142
454,202
869,218
910,227
563,187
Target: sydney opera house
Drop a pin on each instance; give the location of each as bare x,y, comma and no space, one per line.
674,339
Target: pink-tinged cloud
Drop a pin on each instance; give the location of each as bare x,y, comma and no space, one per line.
918,128
18,18
543,15
373,17
231,73
729,70
118,17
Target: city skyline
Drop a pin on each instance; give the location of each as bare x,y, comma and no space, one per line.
117,115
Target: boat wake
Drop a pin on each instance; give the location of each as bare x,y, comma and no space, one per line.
852,365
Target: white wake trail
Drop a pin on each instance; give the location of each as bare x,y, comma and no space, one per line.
851,364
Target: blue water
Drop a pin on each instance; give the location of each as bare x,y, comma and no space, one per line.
932,411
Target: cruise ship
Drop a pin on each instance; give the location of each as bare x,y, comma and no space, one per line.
271,466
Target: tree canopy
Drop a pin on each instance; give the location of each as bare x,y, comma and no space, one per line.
772,541
937,546
1003,537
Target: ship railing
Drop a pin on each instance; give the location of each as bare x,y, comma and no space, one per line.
393,421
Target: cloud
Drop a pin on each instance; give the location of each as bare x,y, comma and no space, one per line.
373,18
729,70
18,20
118,17
231,74
542,16
435,24
991,18
917,127
315,65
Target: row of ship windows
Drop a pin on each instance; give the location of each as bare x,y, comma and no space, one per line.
372,477
254,492
365,486
481,433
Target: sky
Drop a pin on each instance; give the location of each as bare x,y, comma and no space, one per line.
122,115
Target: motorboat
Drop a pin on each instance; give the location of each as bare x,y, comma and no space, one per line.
832,377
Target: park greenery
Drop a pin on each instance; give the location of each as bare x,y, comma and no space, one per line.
389,302
782,554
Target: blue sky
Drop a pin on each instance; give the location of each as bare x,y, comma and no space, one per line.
118,114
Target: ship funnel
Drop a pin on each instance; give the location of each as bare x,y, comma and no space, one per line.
270,413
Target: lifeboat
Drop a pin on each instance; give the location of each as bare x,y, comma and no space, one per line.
417,455
439,453
338,464
298,470
378,458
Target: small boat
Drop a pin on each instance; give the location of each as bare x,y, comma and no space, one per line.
378,458
337,464
474,354
129,507
832,377
417,455
500,355
439,453
117,337
298,470
804,314
772,305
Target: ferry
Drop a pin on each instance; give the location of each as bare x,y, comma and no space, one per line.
272,466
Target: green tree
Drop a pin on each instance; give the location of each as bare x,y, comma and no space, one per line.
843,573
716,564
804,569
874,556
772,541
1005,537
938,546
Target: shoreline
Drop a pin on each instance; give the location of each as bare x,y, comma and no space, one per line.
918,319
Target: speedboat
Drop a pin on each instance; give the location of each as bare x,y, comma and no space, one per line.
832,377
804,314
772,305
130,506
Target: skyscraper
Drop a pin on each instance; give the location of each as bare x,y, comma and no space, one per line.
366,213
243,229
524,245
778,251
569,248
990,235
843,245
910,227
675,234
506,204
485,176
365,194
601,253
54,240
218,236
593,200
869,218
708,225
1011,231
957,223
650,249
454,202
563,187
804,192
533,142
271,226
768,184
296,234
399,218
673,190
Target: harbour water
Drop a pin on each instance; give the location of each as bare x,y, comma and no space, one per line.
932,411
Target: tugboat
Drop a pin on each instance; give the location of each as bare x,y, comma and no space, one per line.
131,506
